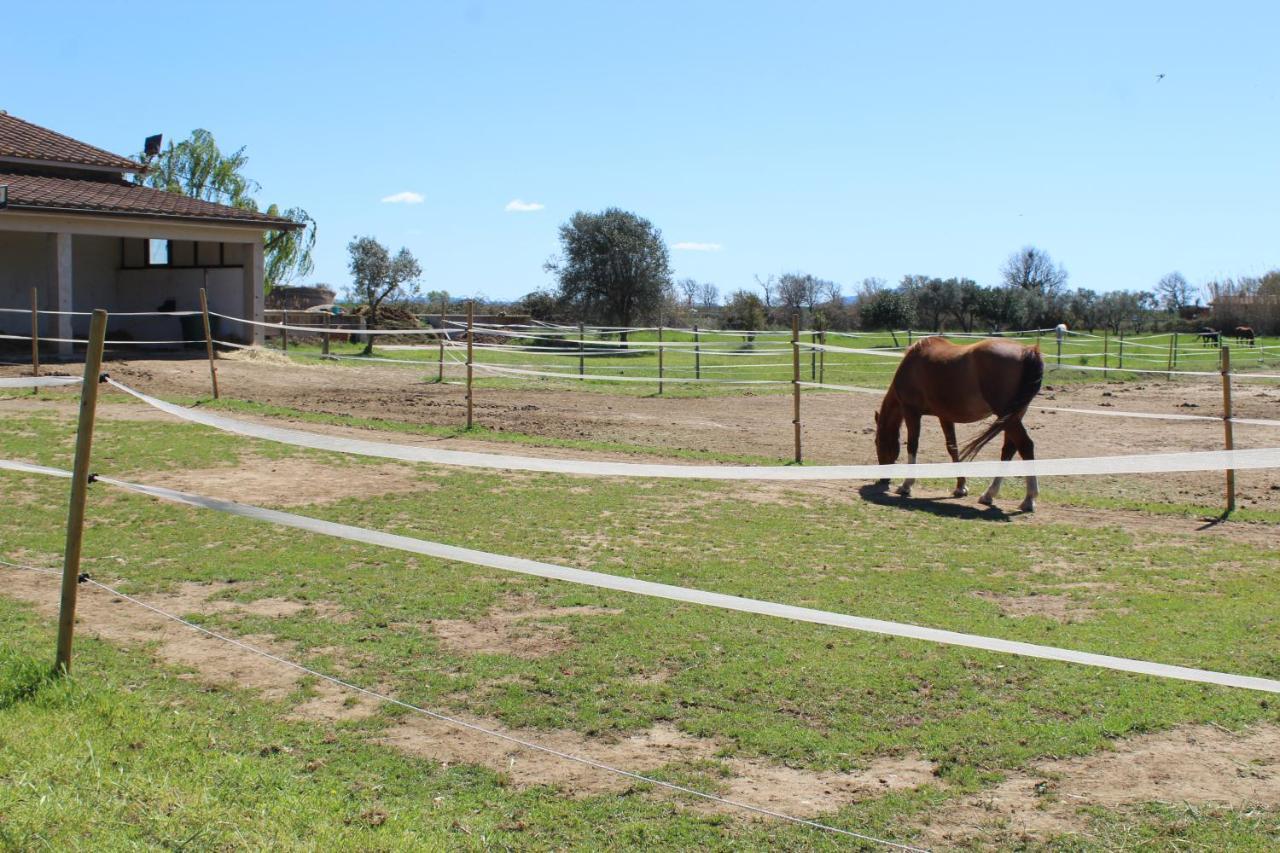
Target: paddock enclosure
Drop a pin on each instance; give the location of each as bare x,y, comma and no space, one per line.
469,677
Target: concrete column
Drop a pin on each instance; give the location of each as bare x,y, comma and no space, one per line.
63,287
254,275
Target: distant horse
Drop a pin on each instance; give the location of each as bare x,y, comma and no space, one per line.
1210,337
962,384
1244,335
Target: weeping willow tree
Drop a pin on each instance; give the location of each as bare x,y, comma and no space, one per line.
197,168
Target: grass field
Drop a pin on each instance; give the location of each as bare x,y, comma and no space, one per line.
139,750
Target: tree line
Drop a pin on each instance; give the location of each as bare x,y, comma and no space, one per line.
614,269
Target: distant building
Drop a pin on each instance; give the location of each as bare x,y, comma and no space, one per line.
84,237
299,298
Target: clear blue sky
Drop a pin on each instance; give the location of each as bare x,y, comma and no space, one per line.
847,140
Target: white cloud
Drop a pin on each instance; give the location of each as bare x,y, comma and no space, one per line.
405,197
520,206
698,247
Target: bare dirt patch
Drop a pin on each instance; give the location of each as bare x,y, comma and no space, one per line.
795,791
1197,765
1060,608
292,481
212,660
517,626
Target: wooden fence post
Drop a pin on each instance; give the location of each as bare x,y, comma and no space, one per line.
697,354
582,352
440,360
470,359
1229,438
1169,363
1122,349
324,341
284,332
813,358
1106,351
79,489
208,341
822,359
795,380
659,358
35,333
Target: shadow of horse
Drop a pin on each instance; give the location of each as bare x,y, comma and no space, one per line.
941,507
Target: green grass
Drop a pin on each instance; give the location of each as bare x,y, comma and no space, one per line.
209,774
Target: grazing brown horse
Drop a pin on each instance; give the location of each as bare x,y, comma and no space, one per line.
1244,335
962,384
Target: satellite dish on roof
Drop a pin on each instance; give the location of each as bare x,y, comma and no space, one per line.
151,147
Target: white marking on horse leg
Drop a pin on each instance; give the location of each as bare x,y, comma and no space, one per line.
992,492
1033,491
905,488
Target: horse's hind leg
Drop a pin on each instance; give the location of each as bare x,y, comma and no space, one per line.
1006,453
913,445
1027,450
949,433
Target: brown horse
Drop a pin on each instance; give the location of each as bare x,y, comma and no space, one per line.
962,384
1244,335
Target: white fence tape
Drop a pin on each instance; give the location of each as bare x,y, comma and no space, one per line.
1156,463
336,330
670,592
38,381
493,368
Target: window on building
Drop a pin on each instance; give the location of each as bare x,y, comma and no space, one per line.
158,253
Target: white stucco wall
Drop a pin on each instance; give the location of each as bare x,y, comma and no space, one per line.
28,258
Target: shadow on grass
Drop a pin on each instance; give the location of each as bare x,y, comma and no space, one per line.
942,507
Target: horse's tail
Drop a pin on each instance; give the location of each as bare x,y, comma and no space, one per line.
1028,388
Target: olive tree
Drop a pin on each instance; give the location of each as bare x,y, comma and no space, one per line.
613,267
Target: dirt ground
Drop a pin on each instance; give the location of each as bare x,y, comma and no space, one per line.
837,427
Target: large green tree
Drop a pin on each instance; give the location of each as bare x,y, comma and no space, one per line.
198,168
376,277
613,267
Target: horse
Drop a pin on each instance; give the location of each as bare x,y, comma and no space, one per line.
1210,337
1244,334
962,384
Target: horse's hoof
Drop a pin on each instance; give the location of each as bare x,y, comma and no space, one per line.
987,500
1028,505
905,491
960,492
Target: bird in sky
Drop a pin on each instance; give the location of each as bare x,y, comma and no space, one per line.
1159,77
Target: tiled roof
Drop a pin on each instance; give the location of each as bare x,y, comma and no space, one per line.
73,195
28,141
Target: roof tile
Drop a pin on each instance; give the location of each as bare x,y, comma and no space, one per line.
47,193
22,139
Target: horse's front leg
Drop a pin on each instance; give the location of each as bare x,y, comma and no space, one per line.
949,434
1006,453
913,445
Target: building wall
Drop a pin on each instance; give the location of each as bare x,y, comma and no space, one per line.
99,279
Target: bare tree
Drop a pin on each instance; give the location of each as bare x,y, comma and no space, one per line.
1175,292
689,287
708,295
1032,269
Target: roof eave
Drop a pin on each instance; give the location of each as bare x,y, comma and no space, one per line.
71,165
263,224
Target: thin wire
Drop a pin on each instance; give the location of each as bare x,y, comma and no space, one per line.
481,729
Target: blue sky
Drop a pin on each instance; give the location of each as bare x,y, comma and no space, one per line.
846,140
